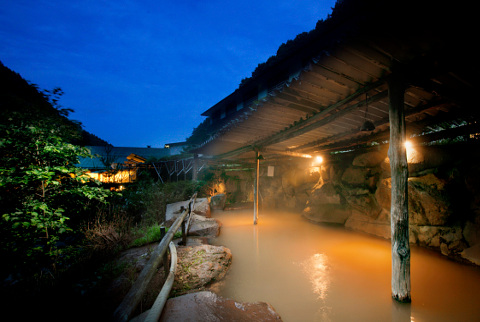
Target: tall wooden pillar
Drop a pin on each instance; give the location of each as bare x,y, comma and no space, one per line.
399,206
255,188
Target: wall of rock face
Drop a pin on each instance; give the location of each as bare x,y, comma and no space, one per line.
354,191
443,198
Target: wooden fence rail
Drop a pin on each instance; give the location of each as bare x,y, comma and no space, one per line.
130,302
162,297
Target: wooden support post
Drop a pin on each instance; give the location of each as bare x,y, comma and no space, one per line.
255,188
399,205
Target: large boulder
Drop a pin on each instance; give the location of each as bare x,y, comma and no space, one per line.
201,223
448,239
325,206
199,266
327,213
202,226
218,201
472,254
471,232
369,160
202,207
363,201
173,210
325,194
428,202
423,158
207,306
366,224
429,199
355,177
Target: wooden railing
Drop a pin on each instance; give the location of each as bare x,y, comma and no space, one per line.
130,302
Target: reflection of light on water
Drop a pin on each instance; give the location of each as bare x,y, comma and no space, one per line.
317,271
255,240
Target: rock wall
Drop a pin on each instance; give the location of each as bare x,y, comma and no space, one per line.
354,191
443,198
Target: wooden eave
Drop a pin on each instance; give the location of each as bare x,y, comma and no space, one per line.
323,108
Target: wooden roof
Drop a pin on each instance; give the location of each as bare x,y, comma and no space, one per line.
337,79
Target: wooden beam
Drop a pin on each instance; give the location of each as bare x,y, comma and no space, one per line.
289,96
297,129
292,105
330,118
352,138
289,153
333,117
399,201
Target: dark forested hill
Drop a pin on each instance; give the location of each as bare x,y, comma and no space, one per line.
18,96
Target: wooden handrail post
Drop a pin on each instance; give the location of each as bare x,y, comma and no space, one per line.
165,256
191,208
184,233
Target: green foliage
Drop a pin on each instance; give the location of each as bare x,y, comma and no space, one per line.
147,200
41,190
150,234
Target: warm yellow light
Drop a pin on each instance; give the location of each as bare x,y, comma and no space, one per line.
317,161
408,145
408,148
122,176
316,269
410,152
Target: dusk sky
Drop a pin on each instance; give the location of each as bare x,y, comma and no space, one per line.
140,73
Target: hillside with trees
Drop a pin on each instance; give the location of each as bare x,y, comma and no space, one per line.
18,96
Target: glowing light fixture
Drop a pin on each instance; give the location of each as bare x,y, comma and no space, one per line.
408,148
410,152
408,145
317,161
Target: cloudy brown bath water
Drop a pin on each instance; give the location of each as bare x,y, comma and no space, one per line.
309,272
